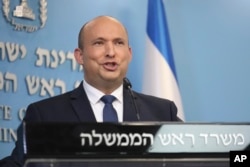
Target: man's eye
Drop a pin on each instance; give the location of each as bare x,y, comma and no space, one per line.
120,43
98,43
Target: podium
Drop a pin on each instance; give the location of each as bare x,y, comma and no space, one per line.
139,144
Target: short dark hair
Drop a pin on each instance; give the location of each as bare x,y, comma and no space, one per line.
80,38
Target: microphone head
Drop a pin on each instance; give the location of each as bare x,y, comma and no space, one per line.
127,83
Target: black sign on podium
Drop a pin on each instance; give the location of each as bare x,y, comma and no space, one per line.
133,144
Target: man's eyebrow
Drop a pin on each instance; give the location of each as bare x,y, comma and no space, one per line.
119,38
104,39
99,38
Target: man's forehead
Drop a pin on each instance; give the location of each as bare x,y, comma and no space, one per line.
103,22
103,19
111,27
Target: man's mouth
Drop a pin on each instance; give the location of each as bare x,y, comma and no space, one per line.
110,66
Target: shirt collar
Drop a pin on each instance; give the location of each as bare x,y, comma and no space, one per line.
94,95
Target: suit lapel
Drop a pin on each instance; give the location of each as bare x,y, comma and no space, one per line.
81,105
84,112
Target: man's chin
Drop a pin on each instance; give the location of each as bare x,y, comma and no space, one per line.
112,78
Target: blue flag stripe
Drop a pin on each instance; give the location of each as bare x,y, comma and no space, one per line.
157,31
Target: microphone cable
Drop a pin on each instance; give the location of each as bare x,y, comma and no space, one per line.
128,86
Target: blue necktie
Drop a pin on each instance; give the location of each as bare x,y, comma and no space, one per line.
109,113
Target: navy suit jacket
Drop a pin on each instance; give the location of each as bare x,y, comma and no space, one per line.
74,106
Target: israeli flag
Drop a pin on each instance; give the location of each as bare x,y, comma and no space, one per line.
159,70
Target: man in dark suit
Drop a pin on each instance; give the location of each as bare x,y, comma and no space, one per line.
104,52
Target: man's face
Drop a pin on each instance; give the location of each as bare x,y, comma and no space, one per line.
106,53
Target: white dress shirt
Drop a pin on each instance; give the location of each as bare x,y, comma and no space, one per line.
94,96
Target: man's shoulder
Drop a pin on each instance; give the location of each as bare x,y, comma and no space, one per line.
156,108
59,97
62,97
147,97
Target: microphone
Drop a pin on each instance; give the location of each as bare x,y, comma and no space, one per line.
128,86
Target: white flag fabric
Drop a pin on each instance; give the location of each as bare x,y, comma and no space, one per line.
159,70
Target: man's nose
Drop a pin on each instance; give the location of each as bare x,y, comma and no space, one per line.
110,50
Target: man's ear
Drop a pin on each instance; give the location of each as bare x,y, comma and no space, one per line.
78,56
130,54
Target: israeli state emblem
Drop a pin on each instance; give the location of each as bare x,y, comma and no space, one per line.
22,16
